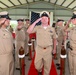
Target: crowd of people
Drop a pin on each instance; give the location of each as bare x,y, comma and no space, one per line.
49,41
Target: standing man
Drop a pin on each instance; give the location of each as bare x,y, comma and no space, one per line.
27,36
60,38
72,51
6,46
20,40
45,37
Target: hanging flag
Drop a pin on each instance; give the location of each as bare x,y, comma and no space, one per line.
34,17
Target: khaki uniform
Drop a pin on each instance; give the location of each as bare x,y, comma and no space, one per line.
6,53
72,53
60,38
27,39
20,42
44,48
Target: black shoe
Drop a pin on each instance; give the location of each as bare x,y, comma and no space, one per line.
27,54
29,58
57,64
59,68
39,73
17,68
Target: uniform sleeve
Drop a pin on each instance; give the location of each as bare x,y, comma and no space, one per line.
63,32
54,33
68,29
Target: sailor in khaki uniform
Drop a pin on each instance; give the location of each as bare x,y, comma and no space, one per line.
27,36
45,36
20,40
72,51
6,46
60,38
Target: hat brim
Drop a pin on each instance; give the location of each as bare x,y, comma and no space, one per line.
20,20
44,15
27,20
8,18
73,17
5,16
45,12
60,20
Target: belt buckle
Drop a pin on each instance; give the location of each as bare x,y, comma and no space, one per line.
44,48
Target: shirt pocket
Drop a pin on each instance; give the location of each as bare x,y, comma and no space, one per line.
50,33
5,36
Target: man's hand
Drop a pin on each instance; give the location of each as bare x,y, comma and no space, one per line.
29,30
2,21
37,20
54,51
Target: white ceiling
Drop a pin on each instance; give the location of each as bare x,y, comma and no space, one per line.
69,4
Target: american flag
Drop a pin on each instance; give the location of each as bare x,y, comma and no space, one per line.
34,17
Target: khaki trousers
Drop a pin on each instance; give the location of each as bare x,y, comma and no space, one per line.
72,63
18,44
26,45
59,46
43,58
6,64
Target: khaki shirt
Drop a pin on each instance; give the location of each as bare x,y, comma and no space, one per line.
26,26
6,42
72,36
20,35
60,33
44,36
72,39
